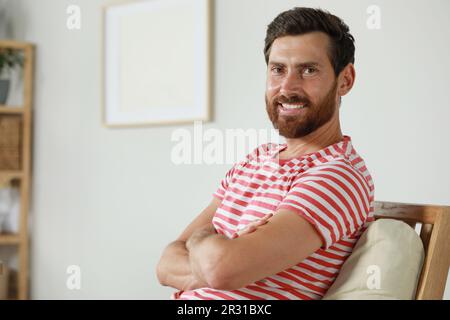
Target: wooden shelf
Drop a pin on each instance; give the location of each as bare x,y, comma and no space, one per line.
9,175
11,109
9,238
20,284
12,44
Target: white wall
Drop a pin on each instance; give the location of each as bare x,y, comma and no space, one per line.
110,200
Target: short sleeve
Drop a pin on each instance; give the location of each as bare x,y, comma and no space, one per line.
335,198
224,183
253,156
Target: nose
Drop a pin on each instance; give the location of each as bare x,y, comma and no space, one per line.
291,84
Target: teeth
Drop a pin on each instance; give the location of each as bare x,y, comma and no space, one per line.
293,106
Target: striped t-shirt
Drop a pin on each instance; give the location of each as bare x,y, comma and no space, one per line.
330,188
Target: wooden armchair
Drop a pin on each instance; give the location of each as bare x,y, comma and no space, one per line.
435,235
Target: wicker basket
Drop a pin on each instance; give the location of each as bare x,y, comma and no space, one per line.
10,142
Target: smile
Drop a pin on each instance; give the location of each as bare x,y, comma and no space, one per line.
293,106
287,109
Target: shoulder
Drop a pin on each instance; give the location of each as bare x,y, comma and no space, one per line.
339,170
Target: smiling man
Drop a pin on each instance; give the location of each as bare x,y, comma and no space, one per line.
284,220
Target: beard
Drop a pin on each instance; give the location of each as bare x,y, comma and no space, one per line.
315,115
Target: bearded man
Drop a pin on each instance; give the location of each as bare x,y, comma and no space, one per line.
284,220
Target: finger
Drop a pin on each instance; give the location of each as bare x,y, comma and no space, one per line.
263,219
257,223
266,218
260,222
252,226
246,230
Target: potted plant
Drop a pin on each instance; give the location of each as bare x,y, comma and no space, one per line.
9,59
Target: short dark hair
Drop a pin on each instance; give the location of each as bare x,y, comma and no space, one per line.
300,20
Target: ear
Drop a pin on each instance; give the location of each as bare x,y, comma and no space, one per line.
346,80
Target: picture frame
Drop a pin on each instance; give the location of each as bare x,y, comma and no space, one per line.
157,62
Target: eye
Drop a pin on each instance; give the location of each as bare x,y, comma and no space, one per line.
276,70
309,71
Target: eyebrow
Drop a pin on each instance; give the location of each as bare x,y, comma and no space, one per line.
298,65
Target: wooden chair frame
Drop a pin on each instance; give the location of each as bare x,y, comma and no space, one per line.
435,235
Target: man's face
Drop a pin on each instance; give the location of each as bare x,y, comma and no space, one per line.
301,84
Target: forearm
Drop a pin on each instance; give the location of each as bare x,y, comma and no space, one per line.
205,254
174,268
215,258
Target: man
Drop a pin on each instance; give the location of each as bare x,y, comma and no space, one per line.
283,221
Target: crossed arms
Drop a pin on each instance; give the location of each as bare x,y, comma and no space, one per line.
202,258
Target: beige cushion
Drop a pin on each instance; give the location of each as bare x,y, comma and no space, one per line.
389,251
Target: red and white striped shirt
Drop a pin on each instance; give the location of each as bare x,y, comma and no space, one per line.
330,188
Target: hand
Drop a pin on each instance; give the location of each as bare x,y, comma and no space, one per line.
252,226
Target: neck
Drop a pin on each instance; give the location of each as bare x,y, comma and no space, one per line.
324,136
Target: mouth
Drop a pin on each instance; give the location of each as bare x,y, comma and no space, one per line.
291,109
288,106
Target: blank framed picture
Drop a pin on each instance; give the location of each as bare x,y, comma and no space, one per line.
156,62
